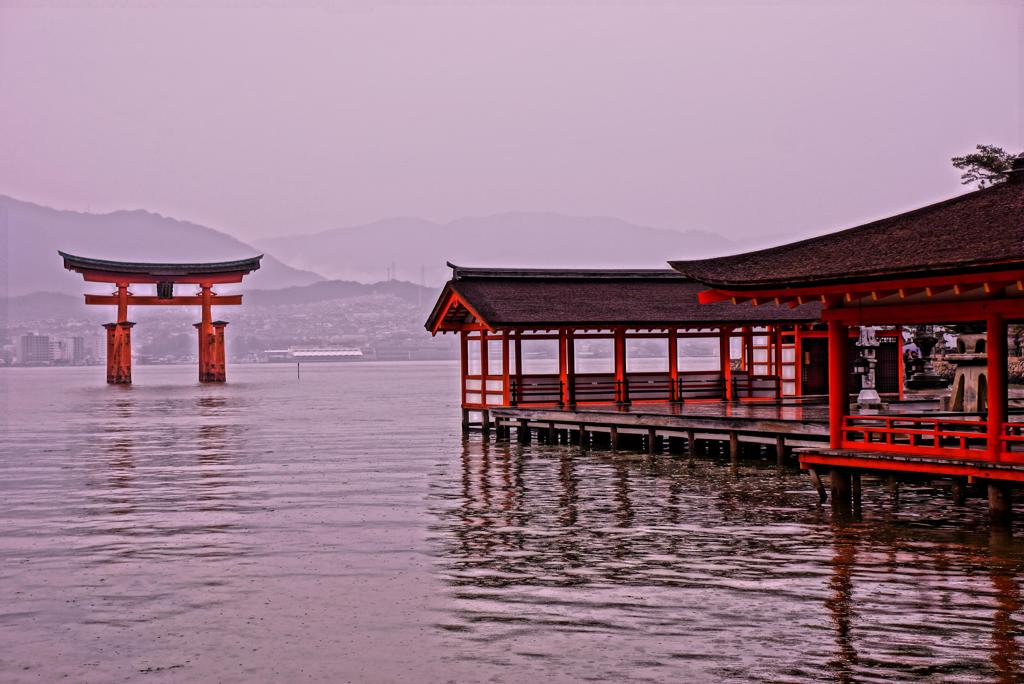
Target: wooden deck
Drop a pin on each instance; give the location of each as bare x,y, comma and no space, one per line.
760,423
798,424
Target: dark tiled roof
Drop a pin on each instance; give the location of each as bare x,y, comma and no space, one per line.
599,298
978,231
77,263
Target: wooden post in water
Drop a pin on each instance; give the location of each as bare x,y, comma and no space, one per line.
734,451
780,450
959,491
818,486
855,493
523,431
652,441
841,492
691,447
613,438
1000,504
894,490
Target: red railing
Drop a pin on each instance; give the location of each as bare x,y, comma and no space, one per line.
603,388
934,436
1013,437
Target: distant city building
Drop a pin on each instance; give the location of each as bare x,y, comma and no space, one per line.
35,350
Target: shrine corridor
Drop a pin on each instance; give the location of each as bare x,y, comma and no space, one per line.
329,528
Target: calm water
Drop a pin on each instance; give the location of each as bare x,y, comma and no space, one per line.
337,528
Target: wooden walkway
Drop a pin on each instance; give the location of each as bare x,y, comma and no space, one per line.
766,423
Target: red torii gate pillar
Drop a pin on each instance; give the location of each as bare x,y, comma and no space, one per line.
119,341
212,359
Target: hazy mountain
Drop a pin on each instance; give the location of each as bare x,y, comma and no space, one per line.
30,236
366,252
327,290
40,306
54,305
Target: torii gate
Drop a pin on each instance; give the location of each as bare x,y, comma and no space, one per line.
164,276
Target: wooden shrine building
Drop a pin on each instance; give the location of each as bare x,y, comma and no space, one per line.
567,338
165,277
958,262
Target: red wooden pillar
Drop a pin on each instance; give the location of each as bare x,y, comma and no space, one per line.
901,370
570,367
838,380
995,344
621,386
484,366
776,338
505,373
673,364
563,368
122,302
798,360
725,360
748,349
519,362
464,360
205,335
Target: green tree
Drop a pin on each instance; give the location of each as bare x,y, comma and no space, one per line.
985,167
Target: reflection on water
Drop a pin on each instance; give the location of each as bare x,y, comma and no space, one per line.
338,528
612,566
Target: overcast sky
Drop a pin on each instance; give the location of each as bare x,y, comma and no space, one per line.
742,118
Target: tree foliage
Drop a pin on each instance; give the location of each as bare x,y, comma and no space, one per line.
985,167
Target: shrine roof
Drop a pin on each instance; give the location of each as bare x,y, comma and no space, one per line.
980,231
551,298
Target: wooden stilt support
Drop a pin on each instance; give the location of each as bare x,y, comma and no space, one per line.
841,483
613,438
691,447
485,423
959,491
523,431
855,493
818,485
652,442
734,451
780,451
465,422
894,490
552,434
1000,504
584,438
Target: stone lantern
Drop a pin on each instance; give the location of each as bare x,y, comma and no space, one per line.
925,376
971,364
868,345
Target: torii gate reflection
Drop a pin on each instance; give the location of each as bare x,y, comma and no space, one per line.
165,276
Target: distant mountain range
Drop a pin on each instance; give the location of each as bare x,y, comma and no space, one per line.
30,236
407,249
419,248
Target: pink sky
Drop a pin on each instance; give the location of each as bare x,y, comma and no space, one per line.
743,118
